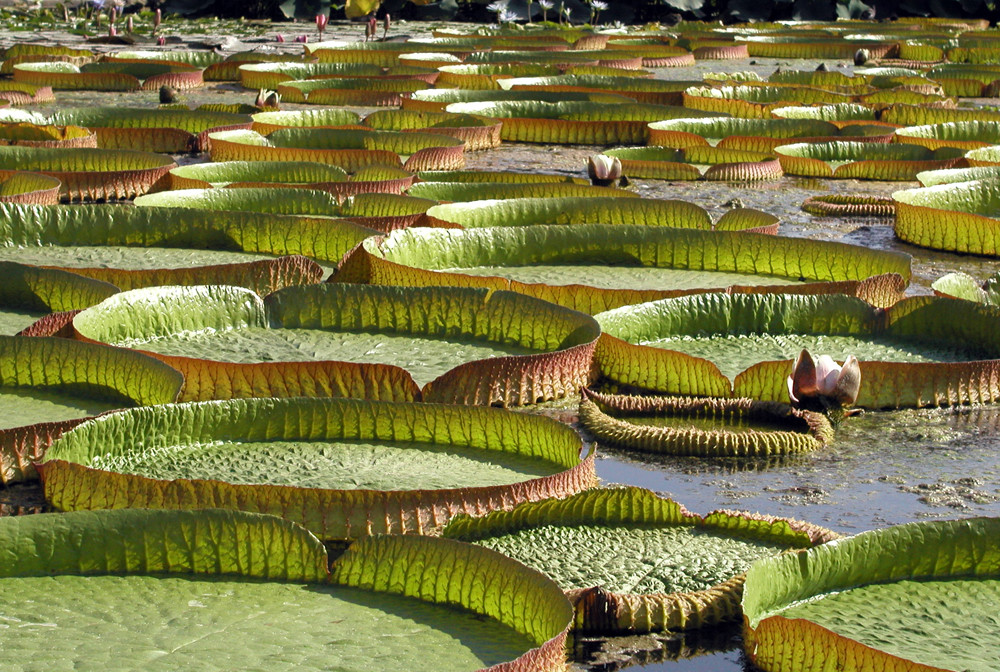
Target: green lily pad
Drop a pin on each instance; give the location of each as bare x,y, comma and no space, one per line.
919,352
634,562
818,607
956,216
864,160
698,162
459,348
436,100
140,584
48,384
343,468
585,123
595,267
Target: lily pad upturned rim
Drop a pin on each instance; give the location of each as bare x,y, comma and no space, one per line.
54,363
262,547
883,384
934,550
330,513
376,261
600,415
549,373
950,216
598,610
72,167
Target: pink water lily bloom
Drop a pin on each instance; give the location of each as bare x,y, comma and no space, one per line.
604,170
824,381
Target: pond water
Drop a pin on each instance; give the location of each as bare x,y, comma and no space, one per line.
883,469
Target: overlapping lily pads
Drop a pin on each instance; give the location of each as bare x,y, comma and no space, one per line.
911,354
480,610
456,345
596,267
573,122
343,468
698,162
760,135
864,160
148,246
958,217
634,562
90,174
816,609
437,100
349,149
28,134
302,174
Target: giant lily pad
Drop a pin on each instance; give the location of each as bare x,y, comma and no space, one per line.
383,212
90,174
343,468
759,135
50,384
488,76
29,188
583,123
652,91
436,100
269,75
864,160
634,562
475,132
935,601
921,351
168,131
349,149
958,217
459,345
28,293
363,92
964,134
110,235
478,191
202,602
268,122
755,102
593,267
302,174
698,162
46,135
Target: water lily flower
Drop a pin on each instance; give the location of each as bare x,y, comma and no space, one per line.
596,7
161,41
157,18
129,25
302,38
112,31
279,38
321,21
823,382
371,28
546,5
604,170
385,26
268,99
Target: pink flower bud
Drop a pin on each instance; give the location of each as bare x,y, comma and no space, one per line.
385,26
112,31
158,18
160,41
302,38
321,21
280,38
129,25
113,16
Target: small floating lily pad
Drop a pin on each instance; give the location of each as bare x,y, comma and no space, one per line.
703,427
